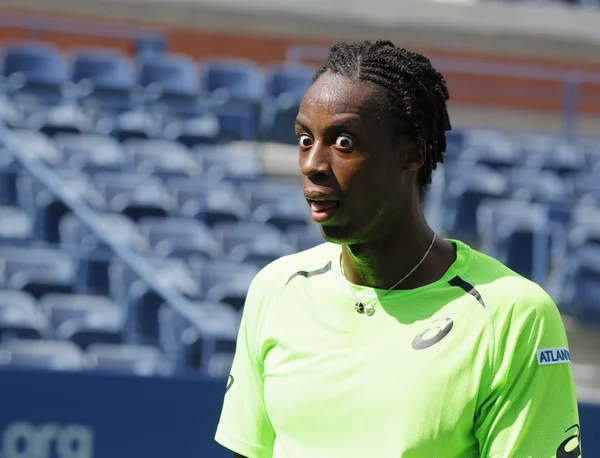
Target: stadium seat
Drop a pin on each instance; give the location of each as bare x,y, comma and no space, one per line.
130,124
104,78
305,238
518,234
126,359
170,80
464,193
36,144
38,271
180,237
268,192
581,285
63,118
197,129
214,273
76,236
91,153
44,354
237,164
288,80
134,195
162,158
232,79
236,238
278,118
20,321
206,346
47,210
15,225
141,302
35,72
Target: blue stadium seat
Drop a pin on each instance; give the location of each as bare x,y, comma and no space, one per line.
170,80
45,209
180,237
288,80
10,115
214,273
130,124
554,155
38,271
269,192
207,347
232,79
21,321
239,240
76,236
232,293
464,193
93,255
518,234
91,153
283,215
63,118
62,308
35,72
37,145
305,238
15,225
581,284
135,196
278,118
197,129
141,302
162,158
126,359
44,354
537,185
238,164
104,77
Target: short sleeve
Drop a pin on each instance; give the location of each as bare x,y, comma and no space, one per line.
530,407
244,426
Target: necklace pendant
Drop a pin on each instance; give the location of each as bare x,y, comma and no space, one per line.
369,310
360,308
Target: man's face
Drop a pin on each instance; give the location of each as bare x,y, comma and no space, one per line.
357,173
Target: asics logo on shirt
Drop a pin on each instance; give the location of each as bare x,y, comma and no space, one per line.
441,331
574,448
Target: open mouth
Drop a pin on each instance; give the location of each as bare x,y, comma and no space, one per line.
323,210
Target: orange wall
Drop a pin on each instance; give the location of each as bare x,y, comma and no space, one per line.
491,91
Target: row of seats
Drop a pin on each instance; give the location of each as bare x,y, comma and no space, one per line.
219,99
65,356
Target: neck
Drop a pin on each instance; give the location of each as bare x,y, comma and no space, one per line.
384,261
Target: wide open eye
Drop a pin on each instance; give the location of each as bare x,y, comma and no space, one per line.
304,140
344,142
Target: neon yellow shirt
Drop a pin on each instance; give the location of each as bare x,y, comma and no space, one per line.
473,365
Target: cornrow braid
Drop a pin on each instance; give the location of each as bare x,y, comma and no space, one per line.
417,92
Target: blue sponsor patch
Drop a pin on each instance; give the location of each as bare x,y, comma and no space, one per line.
547,356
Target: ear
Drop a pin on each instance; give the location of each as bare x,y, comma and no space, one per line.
415,156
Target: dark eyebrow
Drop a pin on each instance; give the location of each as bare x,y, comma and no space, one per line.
345,123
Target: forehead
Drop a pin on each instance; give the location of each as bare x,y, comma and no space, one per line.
335,96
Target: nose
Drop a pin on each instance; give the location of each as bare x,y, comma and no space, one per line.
315,162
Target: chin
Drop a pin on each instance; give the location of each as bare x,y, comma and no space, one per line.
341,235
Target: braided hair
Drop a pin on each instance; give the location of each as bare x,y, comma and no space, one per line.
416,93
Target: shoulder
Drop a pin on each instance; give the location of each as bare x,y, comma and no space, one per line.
506,294
277,274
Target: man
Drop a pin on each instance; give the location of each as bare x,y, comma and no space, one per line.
390,341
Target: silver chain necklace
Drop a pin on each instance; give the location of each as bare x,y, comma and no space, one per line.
369,309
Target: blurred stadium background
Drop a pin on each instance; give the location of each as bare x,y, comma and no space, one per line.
148,170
